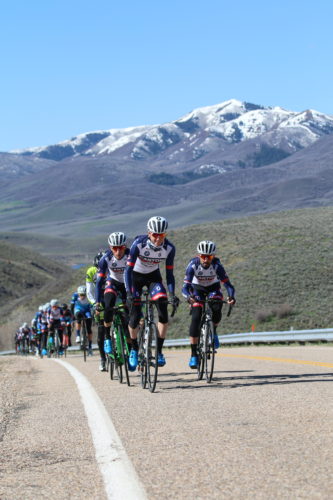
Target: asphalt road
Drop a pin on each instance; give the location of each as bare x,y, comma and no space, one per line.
262,429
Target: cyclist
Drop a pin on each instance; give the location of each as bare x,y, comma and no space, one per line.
68,318
203,278
91,279
43,326
55,320
146,254
81,308
111,272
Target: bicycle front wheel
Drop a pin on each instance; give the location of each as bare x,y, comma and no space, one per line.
201,354
151,357
124,354
142,365
209,351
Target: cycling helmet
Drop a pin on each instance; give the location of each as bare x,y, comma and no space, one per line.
25,325
97,258
116,239
64,306
206,247
40,308
46,306
157,224
82,290
54,302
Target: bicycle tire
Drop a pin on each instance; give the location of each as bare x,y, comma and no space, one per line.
56,343
142,365
152,357
201,356
209,350
124,354
112,357
84,340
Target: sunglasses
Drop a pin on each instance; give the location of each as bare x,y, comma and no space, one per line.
160,235
207,257
115,248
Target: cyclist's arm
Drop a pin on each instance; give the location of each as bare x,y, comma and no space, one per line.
224,278
170,278
133,255
187,285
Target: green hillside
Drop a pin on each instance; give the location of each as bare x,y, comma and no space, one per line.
281,265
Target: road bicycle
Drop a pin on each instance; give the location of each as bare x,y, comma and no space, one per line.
206,349
148,344
84,338
53,343
117,361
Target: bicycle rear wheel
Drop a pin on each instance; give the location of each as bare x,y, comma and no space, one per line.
201,355
151,357
142,365
209,351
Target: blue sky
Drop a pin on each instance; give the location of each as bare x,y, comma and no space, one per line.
71,66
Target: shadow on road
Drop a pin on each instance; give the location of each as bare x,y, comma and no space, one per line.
188,380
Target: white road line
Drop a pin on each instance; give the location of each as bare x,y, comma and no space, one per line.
120,478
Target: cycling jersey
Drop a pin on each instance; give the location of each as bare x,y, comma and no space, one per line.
91,278
81,305
54,314
197,275
144,259
111,269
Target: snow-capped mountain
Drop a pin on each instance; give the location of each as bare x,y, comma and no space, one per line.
206,130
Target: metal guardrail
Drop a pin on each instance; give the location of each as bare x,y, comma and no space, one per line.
319,335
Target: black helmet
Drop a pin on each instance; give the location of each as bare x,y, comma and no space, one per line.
97,258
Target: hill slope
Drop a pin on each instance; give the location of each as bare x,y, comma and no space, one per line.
27,279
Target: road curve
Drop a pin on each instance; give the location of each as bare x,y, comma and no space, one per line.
261,430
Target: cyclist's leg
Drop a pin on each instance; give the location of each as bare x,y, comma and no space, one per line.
159,296
196,314
216,308
110,296
89,332
78,316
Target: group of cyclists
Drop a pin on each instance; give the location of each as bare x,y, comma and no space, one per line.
121,273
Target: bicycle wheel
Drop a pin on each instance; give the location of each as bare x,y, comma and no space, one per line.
112,357
201,354
84,340
151,357
142,365
124,354
56,343
209,352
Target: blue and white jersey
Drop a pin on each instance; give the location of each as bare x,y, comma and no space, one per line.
196,274
80,304
110,268
145,259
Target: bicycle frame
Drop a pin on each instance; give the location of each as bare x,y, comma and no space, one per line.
120,350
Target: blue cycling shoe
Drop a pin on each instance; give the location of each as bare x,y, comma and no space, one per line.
133,360
161,359
193,363
107,346
216,341
44,352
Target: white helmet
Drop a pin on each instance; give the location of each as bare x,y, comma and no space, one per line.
25,325
46,306
40,308
82,290
206,247
157,224
54,302
116,239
